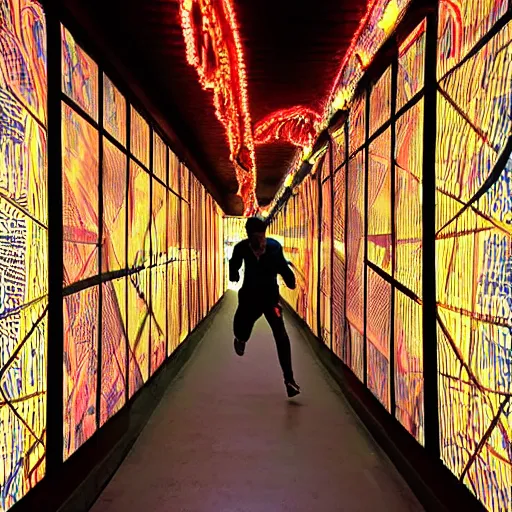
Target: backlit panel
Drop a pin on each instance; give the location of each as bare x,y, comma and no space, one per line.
114,208
173,271
138,329
357,124
23,248
473,249
114,111
113,355
158,316
355,263
139,137
411,65
80,178
79,75
380,101
174,172
80,367
138,217
326,263
378,331
339,262
379,202
408,197
409,365
159,158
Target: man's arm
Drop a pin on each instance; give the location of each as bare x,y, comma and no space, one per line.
285,271
235,263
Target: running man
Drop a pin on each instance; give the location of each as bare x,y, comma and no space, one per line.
259,294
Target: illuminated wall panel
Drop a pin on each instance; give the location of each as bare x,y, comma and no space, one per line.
114,111
138,329
326,260
113,339
80,197
473,249
411,65
234,232
174,172
380,101
378,330
357,124
379,203
173,271
185,270
114,208
355,263
23,249
338,263
158,316
139,137
138,217
79,75
159,158
80,367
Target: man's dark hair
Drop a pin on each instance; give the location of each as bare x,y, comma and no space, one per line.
255,225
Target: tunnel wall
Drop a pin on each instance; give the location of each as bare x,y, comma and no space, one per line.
111,251
401,239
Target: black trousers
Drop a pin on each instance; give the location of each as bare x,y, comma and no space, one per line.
246,316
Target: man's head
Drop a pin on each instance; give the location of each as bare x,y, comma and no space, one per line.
256,228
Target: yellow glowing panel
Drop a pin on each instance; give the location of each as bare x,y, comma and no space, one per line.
139,137
159,158
114,111
138,217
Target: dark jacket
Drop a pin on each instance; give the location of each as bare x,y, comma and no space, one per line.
260,276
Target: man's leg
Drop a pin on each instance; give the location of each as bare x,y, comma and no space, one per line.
274,316
245,318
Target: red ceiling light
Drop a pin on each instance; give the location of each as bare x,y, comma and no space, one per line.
214,49
296,125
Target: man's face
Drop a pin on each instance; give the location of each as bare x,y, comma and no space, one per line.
258,242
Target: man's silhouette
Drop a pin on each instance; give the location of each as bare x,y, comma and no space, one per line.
259,294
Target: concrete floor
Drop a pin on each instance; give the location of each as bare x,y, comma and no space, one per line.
225,438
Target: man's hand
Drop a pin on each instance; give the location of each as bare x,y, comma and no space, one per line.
234,276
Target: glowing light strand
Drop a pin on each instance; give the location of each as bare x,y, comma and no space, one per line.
296,125
215,51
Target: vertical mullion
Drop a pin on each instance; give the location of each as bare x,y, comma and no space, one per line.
55,339
152,266
430,370
126,252
100,246
394,78
365,267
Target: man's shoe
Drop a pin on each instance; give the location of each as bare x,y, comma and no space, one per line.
239,347
292,388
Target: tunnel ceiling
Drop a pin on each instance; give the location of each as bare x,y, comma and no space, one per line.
292,53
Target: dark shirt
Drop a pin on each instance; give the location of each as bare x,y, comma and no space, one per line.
260,275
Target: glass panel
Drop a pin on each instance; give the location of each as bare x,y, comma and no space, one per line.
23,248
378,330
139,137
114,111
80,197
356,124
411,65
114,208
380,101
409,365
139,198
379,202
80,367
408,194
113,339
79,75
159,158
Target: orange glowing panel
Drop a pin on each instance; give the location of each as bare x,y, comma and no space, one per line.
80,197
139,137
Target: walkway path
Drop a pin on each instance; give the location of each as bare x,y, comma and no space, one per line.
225,438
